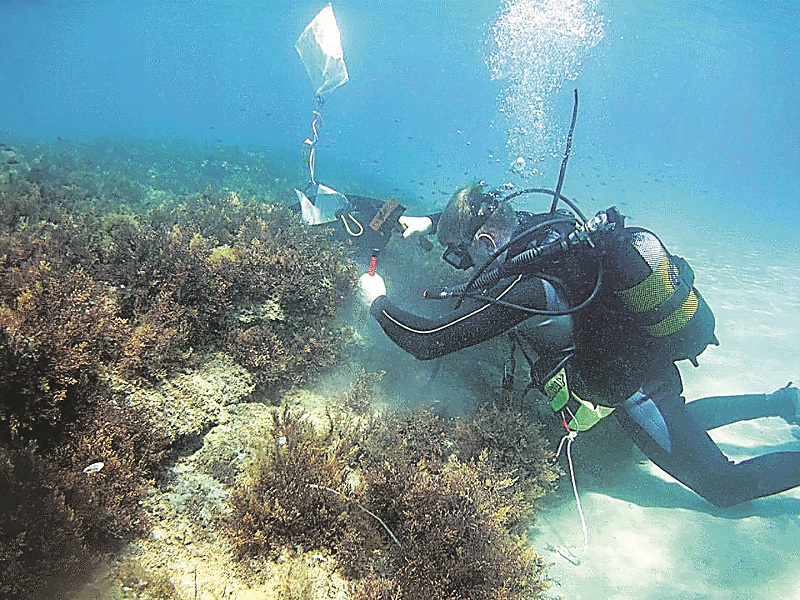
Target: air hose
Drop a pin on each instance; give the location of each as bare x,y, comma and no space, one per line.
598,225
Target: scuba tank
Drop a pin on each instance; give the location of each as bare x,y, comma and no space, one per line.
656,289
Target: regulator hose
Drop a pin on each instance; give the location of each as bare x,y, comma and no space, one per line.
485,279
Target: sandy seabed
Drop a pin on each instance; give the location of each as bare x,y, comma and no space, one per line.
649,537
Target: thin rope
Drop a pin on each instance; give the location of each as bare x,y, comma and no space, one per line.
355,233
312,153
311,143
568,439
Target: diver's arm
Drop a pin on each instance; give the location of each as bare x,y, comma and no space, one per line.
367,207
473,323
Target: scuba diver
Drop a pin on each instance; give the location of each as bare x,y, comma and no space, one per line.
367,222
602,312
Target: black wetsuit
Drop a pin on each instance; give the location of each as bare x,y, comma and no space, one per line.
613,364
352,225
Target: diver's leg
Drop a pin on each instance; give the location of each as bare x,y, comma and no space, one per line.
716,411
657,420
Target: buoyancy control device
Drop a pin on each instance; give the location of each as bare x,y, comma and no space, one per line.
657,290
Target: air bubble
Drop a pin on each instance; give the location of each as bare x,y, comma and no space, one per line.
537,46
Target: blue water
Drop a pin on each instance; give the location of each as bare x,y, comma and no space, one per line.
689,112
701,91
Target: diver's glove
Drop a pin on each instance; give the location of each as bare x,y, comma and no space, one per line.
414,225
369,288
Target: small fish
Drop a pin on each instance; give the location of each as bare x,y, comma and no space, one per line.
94,467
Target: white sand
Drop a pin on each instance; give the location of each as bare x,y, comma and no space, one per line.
649,536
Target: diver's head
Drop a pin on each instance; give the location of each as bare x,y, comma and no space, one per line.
473,226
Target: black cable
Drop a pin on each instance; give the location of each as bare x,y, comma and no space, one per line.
541,311
499,272
563,172
550,374
571,203
556,196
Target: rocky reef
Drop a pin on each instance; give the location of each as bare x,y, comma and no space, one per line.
158,437
102,301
